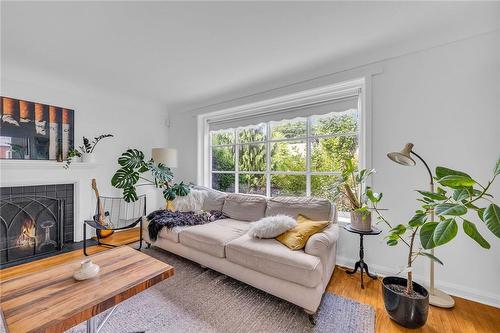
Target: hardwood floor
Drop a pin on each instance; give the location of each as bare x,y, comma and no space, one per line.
466,316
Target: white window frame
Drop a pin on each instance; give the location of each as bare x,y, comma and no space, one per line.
323,94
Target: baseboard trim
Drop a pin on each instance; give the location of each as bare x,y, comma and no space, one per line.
451,288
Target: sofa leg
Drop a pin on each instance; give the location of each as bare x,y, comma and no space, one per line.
310,316
148,245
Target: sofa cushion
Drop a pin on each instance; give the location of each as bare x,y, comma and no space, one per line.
270,257
245,207
172,234
314,208
212,237
214,200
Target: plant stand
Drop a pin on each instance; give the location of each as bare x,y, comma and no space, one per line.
360,264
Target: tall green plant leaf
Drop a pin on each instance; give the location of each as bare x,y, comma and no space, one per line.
426,235
456,181
418,219
432,257
461,194
433,196
443,172
471,231
491,216
125,177
445,231
480,213
450,209
132,158
497,168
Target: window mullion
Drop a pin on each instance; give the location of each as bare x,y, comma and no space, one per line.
308,157
268,159
236,163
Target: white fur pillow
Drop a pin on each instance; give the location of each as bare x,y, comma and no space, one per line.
192,202
271,226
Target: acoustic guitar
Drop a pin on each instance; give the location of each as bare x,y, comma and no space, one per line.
101,217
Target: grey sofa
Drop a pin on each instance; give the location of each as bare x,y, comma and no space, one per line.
299,277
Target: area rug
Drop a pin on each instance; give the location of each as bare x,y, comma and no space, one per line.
198,299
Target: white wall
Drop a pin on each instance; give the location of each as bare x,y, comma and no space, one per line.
446,100
134,124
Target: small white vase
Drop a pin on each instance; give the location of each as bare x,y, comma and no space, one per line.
88,157
86,271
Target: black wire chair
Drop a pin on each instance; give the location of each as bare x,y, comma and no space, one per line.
119,215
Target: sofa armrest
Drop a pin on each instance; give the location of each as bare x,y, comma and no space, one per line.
323,245
320,244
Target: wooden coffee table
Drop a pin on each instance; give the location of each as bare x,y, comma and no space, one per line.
52,301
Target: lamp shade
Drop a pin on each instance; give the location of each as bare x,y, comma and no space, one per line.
403,157
166,156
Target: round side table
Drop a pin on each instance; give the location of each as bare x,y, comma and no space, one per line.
361,264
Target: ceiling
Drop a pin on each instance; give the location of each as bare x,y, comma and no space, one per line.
184,54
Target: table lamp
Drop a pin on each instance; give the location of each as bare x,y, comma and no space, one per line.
404,157
166,156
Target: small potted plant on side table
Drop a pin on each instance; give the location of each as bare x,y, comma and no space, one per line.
352,186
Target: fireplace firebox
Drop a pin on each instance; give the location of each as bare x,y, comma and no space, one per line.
32,224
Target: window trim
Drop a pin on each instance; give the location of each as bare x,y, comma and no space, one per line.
322,94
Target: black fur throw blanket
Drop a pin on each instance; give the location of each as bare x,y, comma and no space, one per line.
164,218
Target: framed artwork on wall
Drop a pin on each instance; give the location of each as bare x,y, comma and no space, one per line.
35,131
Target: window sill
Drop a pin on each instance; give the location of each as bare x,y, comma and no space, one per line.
343,220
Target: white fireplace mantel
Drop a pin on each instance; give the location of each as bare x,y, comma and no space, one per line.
33,164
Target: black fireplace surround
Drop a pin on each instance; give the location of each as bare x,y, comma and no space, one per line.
35,221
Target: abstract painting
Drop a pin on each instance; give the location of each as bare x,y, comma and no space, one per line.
34,131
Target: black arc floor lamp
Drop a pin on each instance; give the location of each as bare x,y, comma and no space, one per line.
404,157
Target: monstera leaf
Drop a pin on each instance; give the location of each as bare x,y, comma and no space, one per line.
169,194
160,172
125,177
132,158
129,194
133,165
181,189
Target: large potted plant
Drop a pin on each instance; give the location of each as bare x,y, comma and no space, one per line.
352,187
132,168
457,194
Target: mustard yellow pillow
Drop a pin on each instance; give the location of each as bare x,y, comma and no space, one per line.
296,238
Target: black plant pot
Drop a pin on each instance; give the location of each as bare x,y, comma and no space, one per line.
405,310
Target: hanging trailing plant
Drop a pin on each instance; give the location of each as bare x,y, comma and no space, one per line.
132,168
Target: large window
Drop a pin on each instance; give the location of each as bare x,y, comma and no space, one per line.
290,157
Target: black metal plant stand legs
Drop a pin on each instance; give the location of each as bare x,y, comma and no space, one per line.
361,264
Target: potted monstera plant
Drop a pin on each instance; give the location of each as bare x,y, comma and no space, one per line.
352,187
133,166
457,195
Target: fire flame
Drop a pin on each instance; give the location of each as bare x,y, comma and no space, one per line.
27,236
